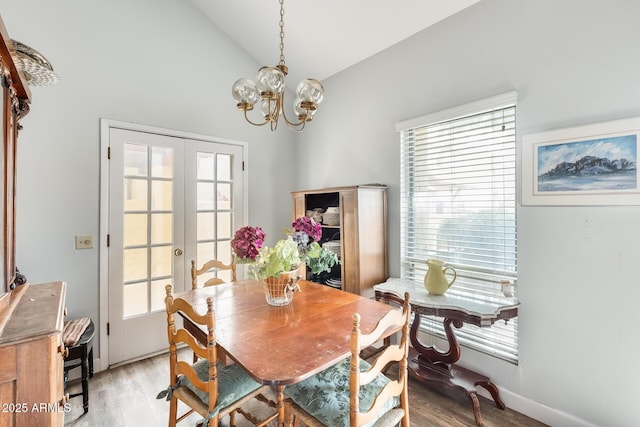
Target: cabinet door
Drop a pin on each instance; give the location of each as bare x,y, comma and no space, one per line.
37,390
349,241
299,208
8,385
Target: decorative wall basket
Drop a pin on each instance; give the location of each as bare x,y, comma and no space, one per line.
279,290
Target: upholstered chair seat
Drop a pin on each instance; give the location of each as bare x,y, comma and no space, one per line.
234,384
325,396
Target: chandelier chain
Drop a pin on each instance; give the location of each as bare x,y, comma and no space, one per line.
281,32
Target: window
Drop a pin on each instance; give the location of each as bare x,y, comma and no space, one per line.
458,205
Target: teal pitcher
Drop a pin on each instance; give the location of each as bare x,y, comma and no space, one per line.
435,280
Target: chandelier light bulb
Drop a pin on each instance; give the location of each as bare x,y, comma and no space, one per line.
245,91
270,80
310,90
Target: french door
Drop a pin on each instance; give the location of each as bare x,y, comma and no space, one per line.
171,200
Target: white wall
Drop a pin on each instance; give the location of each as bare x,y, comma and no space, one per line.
153,62
573,62
160,63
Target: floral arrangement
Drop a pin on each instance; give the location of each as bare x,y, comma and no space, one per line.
246,243
300,245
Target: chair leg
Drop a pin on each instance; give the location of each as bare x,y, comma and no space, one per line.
288,415
91,363
173,412
85,383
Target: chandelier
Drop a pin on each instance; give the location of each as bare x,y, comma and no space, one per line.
36,69
269,90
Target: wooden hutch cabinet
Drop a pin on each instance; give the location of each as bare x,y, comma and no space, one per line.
31,317
31,358
361,228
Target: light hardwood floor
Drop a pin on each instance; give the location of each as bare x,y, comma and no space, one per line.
126,396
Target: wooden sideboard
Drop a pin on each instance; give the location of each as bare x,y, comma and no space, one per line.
32,358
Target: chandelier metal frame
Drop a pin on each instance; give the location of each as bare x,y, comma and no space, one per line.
269,90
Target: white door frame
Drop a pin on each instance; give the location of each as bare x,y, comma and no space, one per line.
102,362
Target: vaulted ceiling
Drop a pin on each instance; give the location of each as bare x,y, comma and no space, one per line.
323,37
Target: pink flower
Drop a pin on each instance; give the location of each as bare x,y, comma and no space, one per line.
247,241
307,225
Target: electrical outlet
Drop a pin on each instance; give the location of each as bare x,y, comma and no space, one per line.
84,241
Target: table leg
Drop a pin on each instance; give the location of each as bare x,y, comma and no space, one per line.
431,354
428,363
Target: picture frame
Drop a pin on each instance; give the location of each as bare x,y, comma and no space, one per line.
591,165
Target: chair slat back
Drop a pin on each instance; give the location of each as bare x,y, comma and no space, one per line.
183,336
214,263
395,353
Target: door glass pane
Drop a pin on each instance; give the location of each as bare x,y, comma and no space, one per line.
148,188
205,252
135,160
135,194
224,167
161,195
135,264
205,196
206,226
205,166
215,215
224,251
224,196
224,225
161,162
135,229
161,228
134,300
158,293
161,257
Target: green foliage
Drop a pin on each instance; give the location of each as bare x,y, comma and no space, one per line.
283,257
320,259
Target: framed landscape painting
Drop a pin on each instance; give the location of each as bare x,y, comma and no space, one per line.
588,165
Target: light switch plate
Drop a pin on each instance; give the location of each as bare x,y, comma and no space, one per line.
84,241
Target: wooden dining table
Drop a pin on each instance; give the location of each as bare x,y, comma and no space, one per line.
284,345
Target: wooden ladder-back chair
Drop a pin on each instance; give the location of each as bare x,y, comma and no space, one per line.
214,263
207,386
353,392
206,267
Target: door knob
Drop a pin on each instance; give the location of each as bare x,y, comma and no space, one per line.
178,252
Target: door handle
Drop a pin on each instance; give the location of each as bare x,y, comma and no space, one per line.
177,252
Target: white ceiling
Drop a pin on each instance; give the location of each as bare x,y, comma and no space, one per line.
323,37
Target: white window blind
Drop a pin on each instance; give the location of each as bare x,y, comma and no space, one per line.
458,205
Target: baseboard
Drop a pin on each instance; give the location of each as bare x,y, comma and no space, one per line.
537,410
